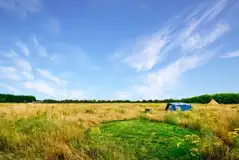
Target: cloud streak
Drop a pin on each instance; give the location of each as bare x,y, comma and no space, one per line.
41,50
185,34
54,91
24,67
10,88
189,38
9,73
156,83
146,52
22,7
46,74
23,48
231,54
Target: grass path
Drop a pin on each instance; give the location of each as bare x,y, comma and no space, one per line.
147,140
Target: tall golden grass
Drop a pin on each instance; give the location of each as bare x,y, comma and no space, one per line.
50,131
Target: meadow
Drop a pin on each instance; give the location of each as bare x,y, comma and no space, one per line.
117,131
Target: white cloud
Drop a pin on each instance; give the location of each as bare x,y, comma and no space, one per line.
190,42
145,53
41,87
23,65
54,91
56,57
52,25
9,73
198,41
41,50
11,54
24,48
182,35
22,7
231,54
28,75
46,74
156,83
42,80
201,16
10,88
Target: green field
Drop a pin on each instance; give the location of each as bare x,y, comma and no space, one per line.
117,131
149,140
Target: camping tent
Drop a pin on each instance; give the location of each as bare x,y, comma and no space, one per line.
213,102
178,106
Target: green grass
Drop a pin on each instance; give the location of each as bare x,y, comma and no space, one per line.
145,139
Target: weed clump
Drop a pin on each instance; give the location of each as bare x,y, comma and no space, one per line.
90,111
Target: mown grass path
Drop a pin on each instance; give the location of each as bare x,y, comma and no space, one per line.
147,140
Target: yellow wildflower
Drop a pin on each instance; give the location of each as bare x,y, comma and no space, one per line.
218,143
232,134
179,144
195,142
194,149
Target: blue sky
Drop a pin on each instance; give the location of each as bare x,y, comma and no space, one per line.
118,49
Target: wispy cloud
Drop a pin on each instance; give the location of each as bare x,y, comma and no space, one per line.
41,87
9,73
199,40
66,53
21,7
24,67
11,54
21,65
41,50
146,52
231,54
28,75
46,74
52,25
53,86
54,91
23,48
10,88
156,83
182,35
188,38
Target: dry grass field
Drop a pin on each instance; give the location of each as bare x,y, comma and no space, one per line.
61,131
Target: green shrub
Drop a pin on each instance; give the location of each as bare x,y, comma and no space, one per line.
90,110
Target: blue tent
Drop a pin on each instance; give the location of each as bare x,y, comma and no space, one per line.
178,106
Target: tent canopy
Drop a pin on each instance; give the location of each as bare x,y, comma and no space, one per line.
178,106
213,102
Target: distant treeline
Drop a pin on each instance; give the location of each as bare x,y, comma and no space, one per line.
4,98
223,98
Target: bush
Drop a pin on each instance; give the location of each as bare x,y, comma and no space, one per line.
90,110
